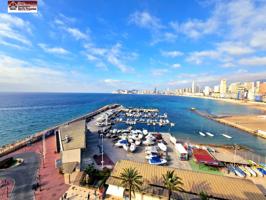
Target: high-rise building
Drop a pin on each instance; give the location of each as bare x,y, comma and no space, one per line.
193,88
216,89
262,88
223,88
207,91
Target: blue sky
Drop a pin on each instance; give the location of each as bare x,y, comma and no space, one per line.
100,46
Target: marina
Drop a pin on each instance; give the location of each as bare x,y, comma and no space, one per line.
106,144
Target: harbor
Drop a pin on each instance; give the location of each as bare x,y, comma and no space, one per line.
100,139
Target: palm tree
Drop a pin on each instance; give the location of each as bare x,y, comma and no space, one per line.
172,182
131,180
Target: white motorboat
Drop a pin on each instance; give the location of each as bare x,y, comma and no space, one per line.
209,134
227,136
145,132
202,134
126,147
130,140
172,139
132,147
162,146
150,156
148,142
151,149
138,142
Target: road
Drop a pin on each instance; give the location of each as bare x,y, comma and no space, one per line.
24,176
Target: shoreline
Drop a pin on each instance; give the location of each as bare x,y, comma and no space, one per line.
257,105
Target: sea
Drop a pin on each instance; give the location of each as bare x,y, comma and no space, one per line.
23,114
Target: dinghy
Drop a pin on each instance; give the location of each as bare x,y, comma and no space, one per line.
126,147
251,171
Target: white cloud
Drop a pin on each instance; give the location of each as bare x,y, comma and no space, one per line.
176,65
20,75
258,40
14,29
77,34
253,61
159,71
195,28
236,49
113,55
197,57
145,20
53,50
172,54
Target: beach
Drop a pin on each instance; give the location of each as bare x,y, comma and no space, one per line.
257,105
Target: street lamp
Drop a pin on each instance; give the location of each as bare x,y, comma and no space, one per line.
102,150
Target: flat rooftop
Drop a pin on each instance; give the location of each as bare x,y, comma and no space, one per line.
193,182
76,133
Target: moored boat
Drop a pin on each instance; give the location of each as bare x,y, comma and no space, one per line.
209,134
162,146
202,134
227,136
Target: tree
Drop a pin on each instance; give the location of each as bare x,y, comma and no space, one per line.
131,180
203,196
172,182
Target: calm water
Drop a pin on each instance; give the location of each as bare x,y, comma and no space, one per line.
22,114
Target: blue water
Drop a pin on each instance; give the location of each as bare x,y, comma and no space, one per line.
22,114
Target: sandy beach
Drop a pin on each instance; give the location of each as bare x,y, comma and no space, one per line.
256,105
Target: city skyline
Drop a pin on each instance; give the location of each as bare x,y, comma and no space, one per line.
103,46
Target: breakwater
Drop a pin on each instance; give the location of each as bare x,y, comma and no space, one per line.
6,149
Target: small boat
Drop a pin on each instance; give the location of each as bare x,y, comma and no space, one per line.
132,147
157,161
209,134
263,171
251,171
231,168
120,143
162,146
202,134
148,142
126,147
245,170
172,124
259,173
151,155
145,132
227,136
151,149
239,172
138,142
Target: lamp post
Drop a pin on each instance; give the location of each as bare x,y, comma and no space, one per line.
102,151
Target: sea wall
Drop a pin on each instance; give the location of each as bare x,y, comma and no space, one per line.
6,149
